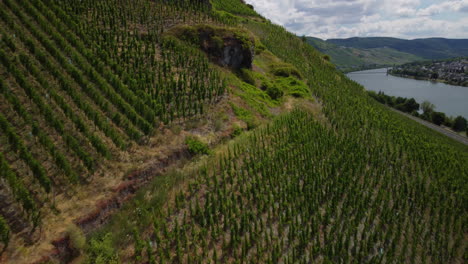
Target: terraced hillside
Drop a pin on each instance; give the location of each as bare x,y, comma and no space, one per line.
108,101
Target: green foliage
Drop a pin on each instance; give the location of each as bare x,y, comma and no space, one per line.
236,130
438,118
432,48
259,47
353,58
427,107
403,104
196,146
20,192
460,124
285,70
291,175
246,116
237,7
101,251
77,238
81,82
272,196
247,76
4,233
292,86
272,90
211,38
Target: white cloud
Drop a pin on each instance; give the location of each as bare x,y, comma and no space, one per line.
347,18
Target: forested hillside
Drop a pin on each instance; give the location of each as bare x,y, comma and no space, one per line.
429,48
197,131
349,59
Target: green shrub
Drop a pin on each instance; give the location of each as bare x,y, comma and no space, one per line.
265,85
259,47
246,116
438,118
285,70
247,76
195,146
101,251
293,86
275,93
77,237
236,130
460,123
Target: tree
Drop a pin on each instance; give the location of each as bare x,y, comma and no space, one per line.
427,107
408,105
459,124
438,118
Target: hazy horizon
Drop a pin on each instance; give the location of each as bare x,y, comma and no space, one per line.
389,37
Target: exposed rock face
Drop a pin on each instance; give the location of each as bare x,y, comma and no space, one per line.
235,55
229,48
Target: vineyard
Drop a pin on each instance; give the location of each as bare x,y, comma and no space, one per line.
87,86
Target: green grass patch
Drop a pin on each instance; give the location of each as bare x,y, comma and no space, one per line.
292,86
247,76
285,70
245,115
196,146
210,37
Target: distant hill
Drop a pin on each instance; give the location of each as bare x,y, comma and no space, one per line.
355,53
430,48
351,59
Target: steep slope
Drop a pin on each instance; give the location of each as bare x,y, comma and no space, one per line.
82,102
431,48
361,185
114,88
352,59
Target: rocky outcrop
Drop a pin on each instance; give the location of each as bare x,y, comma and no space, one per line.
235,55
231,48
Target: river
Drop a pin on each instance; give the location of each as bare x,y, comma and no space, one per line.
449,99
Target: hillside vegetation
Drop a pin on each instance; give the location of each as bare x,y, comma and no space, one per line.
349,59
105,97
430,48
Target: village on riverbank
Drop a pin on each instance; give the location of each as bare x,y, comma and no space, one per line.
453,71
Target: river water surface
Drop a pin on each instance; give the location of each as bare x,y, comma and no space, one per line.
450,99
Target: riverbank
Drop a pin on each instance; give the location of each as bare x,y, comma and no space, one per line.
449,99
363,68
419,78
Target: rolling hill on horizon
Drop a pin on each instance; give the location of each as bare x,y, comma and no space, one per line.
368,52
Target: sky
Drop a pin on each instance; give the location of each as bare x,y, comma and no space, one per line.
407,19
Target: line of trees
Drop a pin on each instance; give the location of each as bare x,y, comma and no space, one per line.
409,105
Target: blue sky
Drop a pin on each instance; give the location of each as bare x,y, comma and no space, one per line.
407,19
